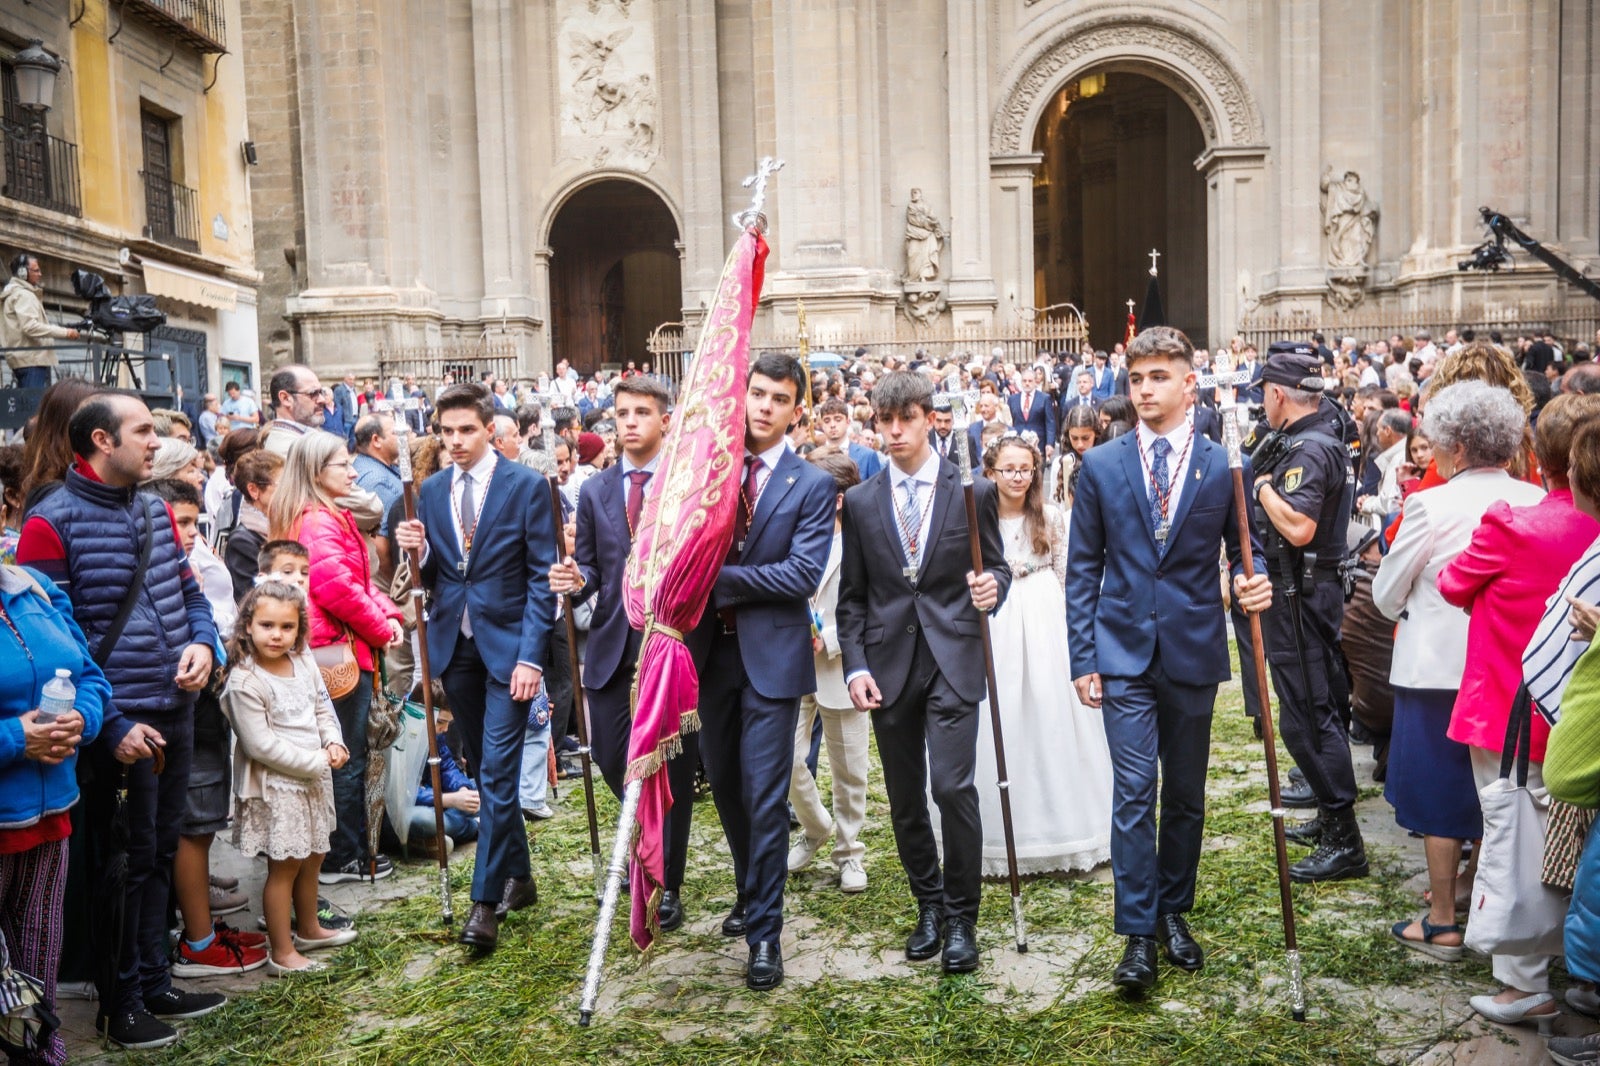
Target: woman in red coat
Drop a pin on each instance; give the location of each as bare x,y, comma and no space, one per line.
1514,563
344,608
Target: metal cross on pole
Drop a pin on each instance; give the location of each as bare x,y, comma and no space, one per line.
752,216
1154,255
1130,307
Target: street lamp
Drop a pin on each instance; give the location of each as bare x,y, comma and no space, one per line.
36,72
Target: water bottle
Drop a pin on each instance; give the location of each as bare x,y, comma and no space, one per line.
59,693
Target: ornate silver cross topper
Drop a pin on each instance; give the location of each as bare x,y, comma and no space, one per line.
1154,255
752,216
959,403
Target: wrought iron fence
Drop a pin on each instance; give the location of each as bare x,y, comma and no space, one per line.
41,170
200,22
171,212
1573,323
463,362
1020,343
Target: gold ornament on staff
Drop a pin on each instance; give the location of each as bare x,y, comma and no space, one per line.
805,349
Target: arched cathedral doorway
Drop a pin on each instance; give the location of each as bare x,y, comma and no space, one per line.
614,274
1117,178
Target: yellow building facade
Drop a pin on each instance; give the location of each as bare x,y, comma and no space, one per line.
139,172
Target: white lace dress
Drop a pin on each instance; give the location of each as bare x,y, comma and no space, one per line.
1056,754
297,817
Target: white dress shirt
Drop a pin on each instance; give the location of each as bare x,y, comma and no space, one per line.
926,478
1182,440
480,473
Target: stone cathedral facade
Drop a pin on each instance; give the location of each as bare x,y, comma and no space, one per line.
560,174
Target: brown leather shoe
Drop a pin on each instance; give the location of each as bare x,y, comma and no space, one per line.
519,892
482,929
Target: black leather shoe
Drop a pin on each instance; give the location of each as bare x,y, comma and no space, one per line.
766,966
733,924
1182,951
482,929
1306,834
519,892
925,941
1296,793
1136,973
960,946
670,912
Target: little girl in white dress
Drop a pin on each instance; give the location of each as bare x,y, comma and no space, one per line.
288,745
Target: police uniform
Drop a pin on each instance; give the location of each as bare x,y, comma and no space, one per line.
1314,477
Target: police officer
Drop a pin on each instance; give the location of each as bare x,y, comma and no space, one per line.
1304,491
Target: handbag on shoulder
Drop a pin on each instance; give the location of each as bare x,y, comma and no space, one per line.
337,664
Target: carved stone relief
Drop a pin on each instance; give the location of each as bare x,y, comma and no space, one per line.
609,103
1113,34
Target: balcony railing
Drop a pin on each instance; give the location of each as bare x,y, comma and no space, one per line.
42,171
199,22
171,214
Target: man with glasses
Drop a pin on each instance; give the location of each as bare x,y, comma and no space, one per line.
297,400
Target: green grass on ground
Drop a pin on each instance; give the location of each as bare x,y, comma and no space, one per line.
403,994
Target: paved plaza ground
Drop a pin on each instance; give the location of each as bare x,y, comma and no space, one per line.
405,994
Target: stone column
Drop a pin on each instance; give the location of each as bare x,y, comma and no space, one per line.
1236,199
508,292
1011,204
972,287
1298,151
706,225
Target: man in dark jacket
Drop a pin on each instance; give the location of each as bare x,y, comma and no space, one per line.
88,537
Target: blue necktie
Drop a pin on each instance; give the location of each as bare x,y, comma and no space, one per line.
1161,480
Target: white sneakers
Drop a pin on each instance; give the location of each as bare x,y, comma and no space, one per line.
852,876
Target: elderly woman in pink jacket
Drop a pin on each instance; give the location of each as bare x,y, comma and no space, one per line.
344,607
1502,579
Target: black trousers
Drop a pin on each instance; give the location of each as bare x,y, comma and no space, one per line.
610,724
1311,719
930,730
558,683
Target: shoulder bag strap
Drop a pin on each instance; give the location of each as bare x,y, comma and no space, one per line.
1519,736
108,643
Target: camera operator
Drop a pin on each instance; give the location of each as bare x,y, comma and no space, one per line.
23,326
1304,492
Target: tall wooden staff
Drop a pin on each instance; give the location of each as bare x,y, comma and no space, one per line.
1225,383
578,709
959,420
407,481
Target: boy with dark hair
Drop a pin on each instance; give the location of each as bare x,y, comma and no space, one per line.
908,618
1147,640
285,560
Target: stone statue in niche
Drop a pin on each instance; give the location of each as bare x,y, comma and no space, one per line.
1350,222
925,237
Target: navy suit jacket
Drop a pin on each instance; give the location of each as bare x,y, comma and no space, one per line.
1041,419
868,462
770,587
602,555
1129,599
1105,383
507,584
1207,422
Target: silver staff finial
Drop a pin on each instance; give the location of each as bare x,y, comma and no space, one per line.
1154,255
752,216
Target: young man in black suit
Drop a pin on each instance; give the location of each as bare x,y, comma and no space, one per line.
909,635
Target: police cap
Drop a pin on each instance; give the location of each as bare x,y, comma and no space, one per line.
1294,365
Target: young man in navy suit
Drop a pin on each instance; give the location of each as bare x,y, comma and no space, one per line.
1147,639
610,505
488,537
1035,410
909,636
753,649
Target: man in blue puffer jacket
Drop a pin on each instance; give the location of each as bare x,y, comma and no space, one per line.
87,538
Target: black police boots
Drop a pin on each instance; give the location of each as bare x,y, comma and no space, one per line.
1339,854
1304,833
